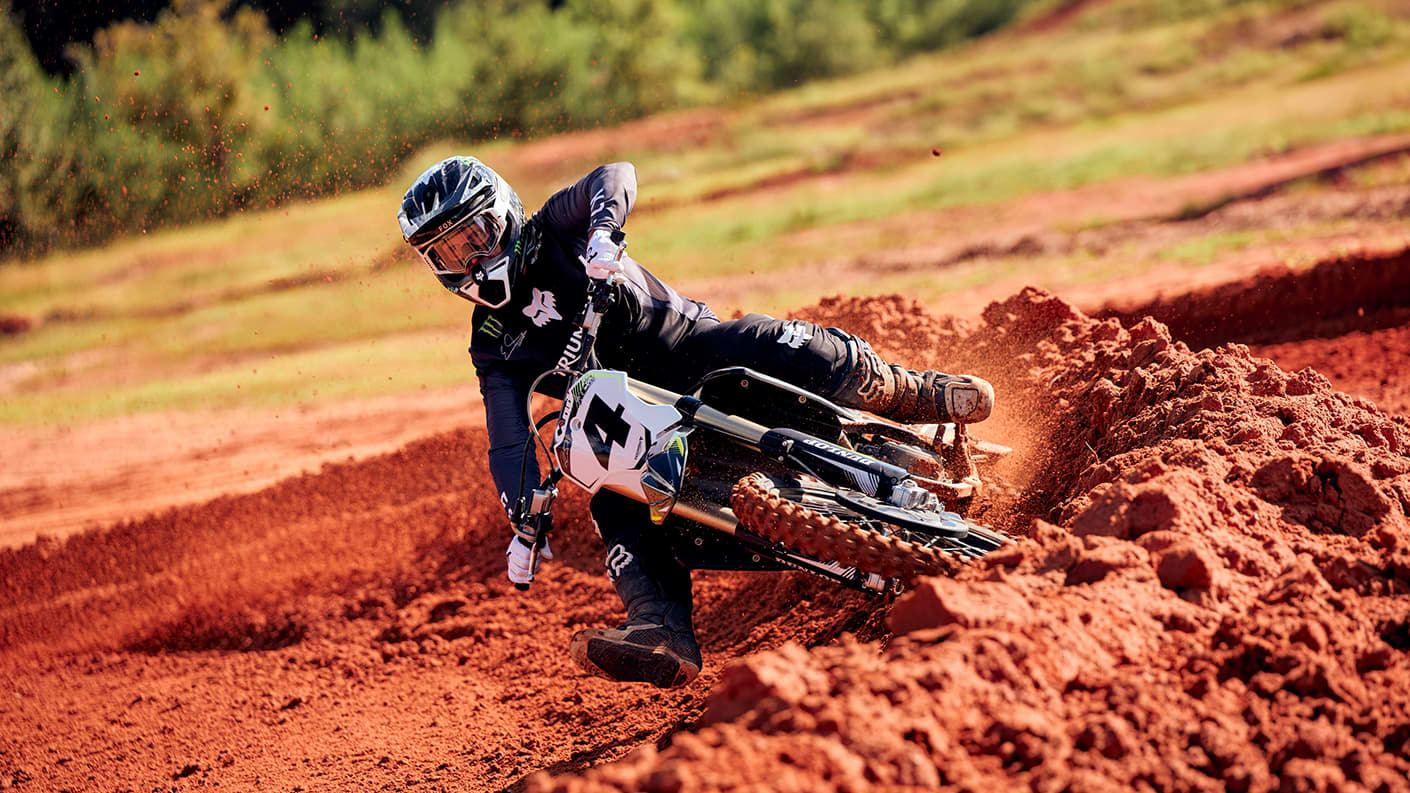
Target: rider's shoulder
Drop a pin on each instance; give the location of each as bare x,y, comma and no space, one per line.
624,167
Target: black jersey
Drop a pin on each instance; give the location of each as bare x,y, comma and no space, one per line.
512,345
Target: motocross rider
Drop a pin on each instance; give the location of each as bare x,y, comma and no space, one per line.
528,277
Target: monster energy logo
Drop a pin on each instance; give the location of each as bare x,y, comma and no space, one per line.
491,327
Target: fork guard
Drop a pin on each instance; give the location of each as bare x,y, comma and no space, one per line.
866,474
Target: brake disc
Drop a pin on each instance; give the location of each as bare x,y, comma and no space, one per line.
933,524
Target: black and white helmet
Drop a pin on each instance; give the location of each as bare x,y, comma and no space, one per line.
466,223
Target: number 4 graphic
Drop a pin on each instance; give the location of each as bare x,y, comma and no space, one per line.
605,428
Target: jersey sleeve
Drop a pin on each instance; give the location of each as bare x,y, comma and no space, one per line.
600,200
513,465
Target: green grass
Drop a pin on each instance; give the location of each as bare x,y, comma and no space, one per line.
1182,140
319,301
391,364
201,264
1206,249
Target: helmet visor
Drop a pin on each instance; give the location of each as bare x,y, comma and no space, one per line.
474,239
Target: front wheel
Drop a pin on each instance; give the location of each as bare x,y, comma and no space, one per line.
810,520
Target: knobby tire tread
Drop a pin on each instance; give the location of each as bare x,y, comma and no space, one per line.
761,509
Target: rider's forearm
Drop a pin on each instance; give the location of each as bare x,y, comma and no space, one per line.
512,463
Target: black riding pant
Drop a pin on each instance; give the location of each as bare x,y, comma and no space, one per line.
803,353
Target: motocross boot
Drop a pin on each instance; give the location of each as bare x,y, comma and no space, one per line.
908,397
657,643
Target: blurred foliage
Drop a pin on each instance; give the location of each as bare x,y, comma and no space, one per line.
23,85
205,110
175,107
760,45
916,25
757,45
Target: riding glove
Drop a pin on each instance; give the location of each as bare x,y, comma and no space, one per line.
518,556
602,258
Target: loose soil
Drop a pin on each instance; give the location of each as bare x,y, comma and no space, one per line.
1348,318
348,628
1212,591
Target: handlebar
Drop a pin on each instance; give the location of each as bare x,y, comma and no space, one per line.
600,295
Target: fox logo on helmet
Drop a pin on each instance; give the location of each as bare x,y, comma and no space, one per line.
446,225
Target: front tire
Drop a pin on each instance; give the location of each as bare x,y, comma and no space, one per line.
805,520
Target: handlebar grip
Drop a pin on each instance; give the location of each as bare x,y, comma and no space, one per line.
533,561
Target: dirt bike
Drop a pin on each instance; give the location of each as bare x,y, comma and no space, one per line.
766,474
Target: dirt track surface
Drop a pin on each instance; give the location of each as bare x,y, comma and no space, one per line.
1215,594
1348,318
89,476
344,629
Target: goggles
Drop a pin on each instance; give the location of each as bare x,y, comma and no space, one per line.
472,241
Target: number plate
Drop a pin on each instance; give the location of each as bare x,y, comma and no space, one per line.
606,431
